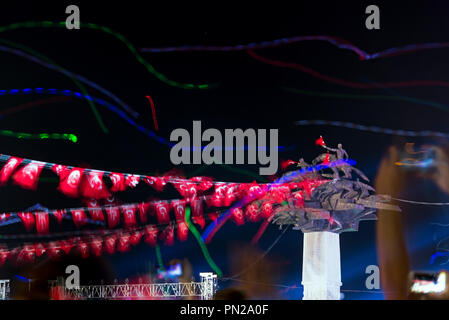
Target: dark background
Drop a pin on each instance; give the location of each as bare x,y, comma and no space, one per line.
250,95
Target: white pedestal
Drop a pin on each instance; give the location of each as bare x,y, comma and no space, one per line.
321,273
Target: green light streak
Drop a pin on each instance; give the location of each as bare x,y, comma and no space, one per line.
159,257
367,97
203,247
149,67
35,136
76,82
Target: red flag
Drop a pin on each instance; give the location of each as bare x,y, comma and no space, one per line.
61,171
41,222
70,184
118,182
213,216
66,245
267,209
299,199
8,169
132,181
95,211
109,244
179,207
123,242
26,255
135,237
183,231
39,249
54,250
27,219
252,212
129,215
197,213
151,232
204,183
320,141
237,216
287,163
168,235
59,215
96,245
144,209
28,176
79,217
4,216
157,183
92,186
83,248
231,194
4,254
162,211
113,216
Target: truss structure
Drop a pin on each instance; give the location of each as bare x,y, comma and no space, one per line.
4,289
204,290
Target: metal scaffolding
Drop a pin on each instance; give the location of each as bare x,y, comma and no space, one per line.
4,289
205,290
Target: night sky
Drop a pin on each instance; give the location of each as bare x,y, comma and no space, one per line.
249,94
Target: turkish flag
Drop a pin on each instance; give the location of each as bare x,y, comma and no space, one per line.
151,232
135,237
70,184
197,212
95,211
287,163
92,186
252,212
230,194
28,176
158,183
132,181
183,231
299,199
123,242
144,208
39,248
179,207
237,216
129,215
113,216
213,216
4,216
204,183
96,245
320,141
66,245
168,235
61,171
267,209
8,169
59,215
41,222
109,244
4,254
54,250
27,219
79,217
118,182
162,212
26,255
83,248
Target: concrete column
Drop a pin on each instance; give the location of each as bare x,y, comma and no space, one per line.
321,273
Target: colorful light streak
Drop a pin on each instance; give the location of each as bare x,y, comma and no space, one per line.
367,97
343,82
340,43
375,129
35,136
50,62
153,111
203,247
149,67
45,62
